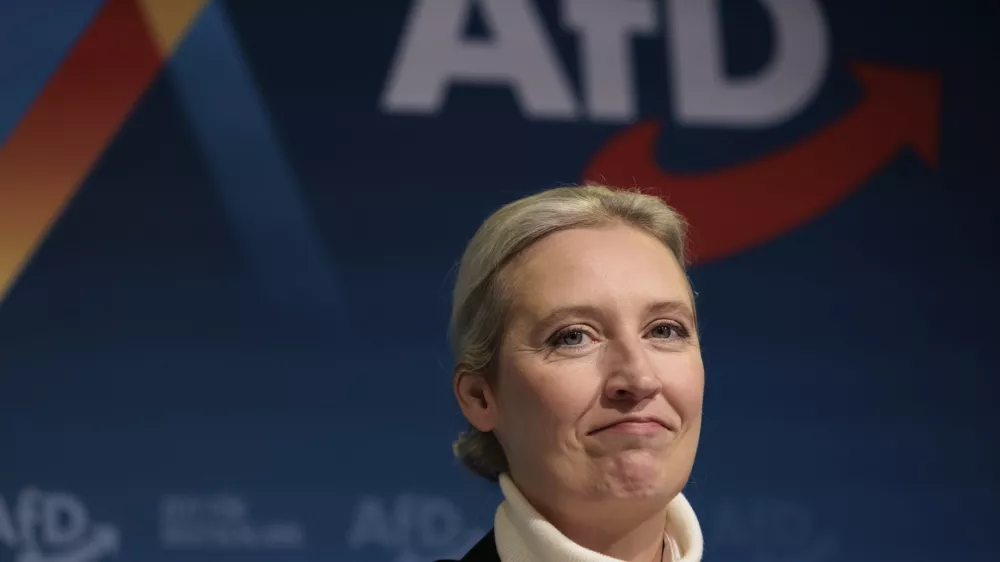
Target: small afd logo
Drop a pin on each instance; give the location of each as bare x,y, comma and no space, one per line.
39,526
411,528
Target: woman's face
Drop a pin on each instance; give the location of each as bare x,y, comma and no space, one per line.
599,382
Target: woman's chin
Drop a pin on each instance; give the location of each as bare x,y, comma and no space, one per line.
637,474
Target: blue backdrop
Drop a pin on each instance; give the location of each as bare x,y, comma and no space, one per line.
231,343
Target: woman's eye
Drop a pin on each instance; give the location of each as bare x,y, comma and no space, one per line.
667,331
571,338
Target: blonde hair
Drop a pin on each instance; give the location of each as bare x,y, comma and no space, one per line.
480,300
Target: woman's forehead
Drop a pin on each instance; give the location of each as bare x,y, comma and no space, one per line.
597,268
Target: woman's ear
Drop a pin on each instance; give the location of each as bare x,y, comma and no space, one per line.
476,398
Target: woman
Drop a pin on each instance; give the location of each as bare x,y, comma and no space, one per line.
579,370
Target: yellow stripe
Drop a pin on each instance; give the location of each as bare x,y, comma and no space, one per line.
168,20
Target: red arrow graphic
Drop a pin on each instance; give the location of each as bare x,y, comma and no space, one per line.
739,207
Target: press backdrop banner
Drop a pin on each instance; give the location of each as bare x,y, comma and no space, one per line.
229,231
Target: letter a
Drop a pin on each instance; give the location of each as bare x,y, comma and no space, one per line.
372,526
433,55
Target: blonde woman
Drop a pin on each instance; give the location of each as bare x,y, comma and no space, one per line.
579,369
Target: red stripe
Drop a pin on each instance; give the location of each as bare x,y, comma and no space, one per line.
66,129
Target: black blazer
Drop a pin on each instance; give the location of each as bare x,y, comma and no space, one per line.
484,551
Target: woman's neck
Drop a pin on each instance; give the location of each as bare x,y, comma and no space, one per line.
615,532
626,530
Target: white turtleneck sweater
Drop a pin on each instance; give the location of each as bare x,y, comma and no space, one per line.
523,535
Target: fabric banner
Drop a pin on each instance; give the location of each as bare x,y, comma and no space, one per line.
229,231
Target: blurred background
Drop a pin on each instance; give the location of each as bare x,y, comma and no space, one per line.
228,234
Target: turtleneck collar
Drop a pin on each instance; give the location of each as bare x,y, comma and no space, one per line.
523,535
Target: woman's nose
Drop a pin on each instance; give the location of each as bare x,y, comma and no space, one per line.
630,376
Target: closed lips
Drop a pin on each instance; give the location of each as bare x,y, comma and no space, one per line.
632,419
